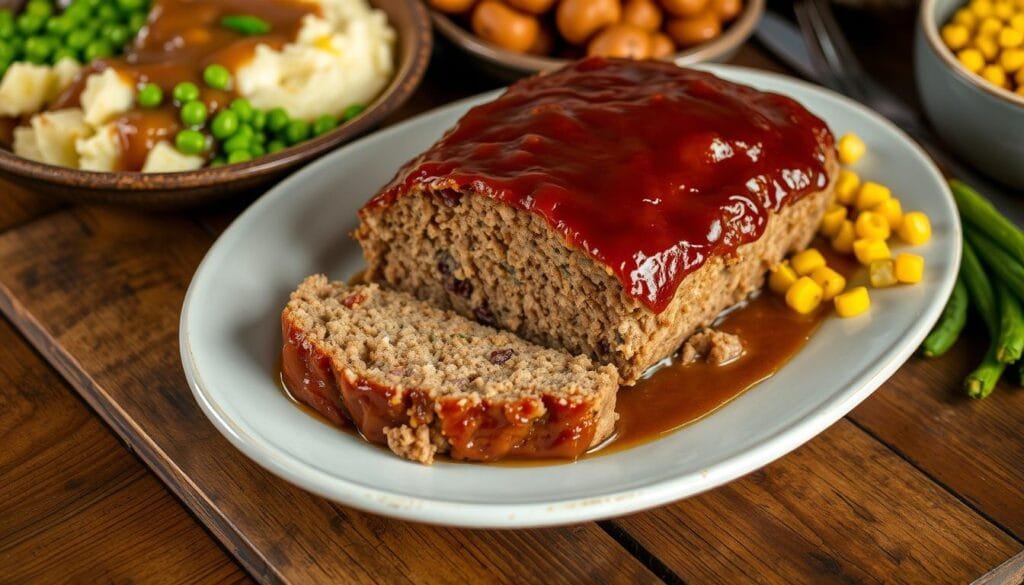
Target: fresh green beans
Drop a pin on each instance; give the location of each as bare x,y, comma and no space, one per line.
986,218
983,379
952,322
998,261
980,289
1010,344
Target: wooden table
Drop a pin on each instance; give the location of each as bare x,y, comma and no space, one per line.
918,484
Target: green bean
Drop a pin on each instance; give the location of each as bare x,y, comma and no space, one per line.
1010,344
983,379
952,322
999,262
979,289
985,217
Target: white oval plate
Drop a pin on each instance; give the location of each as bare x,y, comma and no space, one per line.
230,340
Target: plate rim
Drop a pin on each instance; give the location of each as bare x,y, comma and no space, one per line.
570,510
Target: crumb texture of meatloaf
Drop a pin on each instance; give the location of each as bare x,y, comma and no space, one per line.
424,380
610,209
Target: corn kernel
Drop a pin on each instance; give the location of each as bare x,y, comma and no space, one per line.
987,46
1019,76
956,36
1010,38
892,211
989,26
867,251
846,187
804,296
843,240
852,302
830,281
916,229
1011,60
807,261
1020,91
980,8
872,226
851,148
909,268
781,278
1003,9
971,59
995,75
832,220
882,273
871,195
1017,22
965,18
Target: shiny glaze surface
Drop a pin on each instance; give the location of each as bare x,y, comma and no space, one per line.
180,39
649,168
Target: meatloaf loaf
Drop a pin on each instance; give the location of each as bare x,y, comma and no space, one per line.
610,209
424,380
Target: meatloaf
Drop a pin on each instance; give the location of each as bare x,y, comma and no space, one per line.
424,380
609,209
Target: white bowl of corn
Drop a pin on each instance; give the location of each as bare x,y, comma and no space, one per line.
969,63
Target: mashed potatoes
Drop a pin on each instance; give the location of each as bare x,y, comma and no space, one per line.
343,57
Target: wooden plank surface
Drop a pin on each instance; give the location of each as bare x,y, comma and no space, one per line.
18,205
98,292
71,492
840,509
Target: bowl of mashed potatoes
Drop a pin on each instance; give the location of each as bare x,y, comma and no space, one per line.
168,103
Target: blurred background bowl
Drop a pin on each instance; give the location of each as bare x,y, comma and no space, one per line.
509,65
163,191
982,123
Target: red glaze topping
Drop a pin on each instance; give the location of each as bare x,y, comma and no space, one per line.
649,168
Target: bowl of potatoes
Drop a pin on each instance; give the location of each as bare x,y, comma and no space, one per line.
513,38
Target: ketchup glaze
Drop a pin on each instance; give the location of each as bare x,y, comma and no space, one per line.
649,168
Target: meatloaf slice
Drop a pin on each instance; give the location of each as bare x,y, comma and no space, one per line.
424,380
610,209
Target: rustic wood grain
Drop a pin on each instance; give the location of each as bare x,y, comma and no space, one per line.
840,509
18,206
98,291
1010,572
71,492
974,447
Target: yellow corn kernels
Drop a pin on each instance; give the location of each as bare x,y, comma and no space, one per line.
781,278
1011,60
882,273
830,281
806,262
971,59
1003,9
989,26
916,229
843,240
846,187
909,268
995,75
892,211
804,296
867,251
1010,38
980,8
1017,21
872,226
956,36
833,220
965,18
872,194
852,302
987,46
851,148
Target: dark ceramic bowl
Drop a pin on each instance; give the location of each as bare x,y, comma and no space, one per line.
178,190
508,65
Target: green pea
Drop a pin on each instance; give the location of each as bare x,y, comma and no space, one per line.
245,130
185,91
65,53
193,113
190,141
245,24
352,111
324,124
92,4
150,95
38,49
217,76
131,5
276,146
277,120
39,7
257,151
117,34
218,161
224,125
137,20
78,39
30,24
108,13
59,25
8,26
239,156
76,13
97,50
236,143
242,107
258,120
297,131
